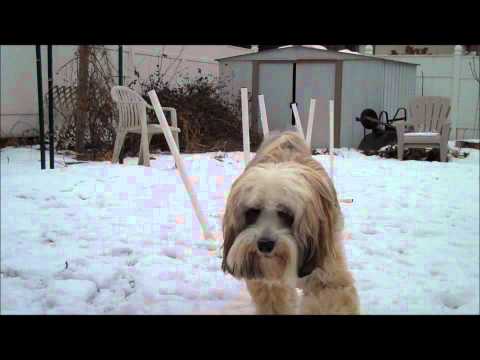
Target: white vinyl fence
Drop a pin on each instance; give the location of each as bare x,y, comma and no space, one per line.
18,103
451,75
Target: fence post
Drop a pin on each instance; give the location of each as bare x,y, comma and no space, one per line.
120,65
130,63
41,120
368,50
131,66
457,61
51,142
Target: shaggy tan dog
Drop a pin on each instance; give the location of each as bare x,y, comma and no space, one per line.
282,228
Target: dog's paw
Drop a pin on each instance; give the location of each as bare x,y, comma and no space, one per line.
316,280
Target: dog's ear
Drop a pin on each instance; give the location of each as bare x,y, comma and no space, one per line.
309,258
229,224
321,220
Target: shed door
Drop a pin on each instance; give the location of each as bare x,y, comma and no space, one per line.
275,83
315,80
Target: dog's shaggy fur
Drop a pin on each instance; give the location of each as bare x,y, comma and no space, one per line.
285,200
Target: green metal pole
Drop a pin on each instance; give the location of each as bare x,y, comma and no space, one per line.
51,144
40,105
120,65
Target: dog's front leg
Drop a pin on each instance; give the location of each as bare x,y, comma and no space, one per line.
329,294
273,297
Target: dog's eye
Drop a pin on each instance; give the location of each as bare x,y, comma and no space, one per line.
251,216
285,217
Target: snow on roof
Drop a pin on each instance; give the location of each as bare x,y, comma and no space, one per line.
319,47
346,51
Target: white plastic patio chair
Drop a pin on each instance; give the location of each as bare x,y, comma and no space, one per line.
132,109
429,116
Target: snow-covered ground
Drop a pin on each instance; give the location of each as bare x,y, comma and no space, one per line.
98,238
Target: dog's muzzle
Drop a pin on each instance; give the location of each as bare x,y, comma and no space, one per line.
265,245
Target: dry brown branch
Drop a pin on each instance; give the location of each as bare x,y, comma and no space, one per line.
97,105
208,121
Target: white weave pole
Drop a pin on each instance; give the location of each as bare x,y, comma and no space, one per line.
179,162
311,115
298,123
263,115
330,149
245,125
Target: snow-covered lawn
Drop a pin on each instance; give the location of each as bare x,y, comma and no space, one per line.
99,238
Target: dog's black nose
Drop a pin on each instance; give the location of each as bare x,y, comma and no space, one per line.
265,245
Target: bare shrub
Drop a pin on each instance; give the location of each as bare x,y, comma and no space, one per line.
99,127
208,121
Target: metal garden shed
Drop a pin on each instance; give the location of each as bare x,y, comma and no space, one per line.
299,73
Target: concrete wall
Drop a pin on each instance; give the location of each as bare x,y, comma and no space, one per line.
18,77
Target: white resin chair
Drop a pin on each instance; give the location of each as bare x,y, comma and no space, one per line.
429,116
132,109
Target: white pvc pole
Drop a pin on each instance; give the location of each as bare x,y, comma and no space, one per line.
311,115
179,162
330,150
298,123
245,125
263,115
